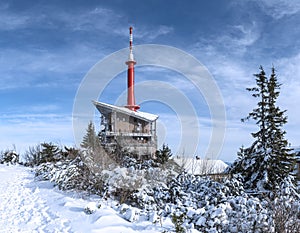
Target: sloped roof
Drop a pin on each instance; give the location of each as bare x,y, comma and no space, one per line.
106,108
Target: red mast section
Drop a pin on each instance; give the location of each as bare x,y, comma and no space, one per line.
130,77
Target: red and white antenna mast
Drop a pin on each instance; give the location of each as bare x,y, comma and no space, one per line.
130,77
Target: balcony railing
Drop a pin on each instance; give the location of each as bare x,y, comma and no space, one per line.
128,134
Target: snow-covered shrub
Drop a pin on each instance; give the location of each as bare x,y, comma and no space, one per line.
9,157
129,213
210,206
286,207
122,183
178,220
70,175
163,155
91,208
70,153
32,156
45,171
48,152
147,192
207,205
129,161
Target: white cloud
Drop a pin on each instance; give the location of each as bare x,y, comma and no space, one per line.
145,32
237,38
21,68
24,130
47,16
11,21
98,20
232,75
234,41
77,57
37,108
153,32
248,36
280,8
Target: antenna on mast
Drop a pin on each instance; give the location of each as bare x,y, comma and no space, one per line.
130,76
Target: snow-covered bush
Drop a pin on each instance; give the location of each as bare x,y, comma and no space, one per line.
49,152
207,205
91,208
131,162
129,213
70,175
150,192
286,207
178,220
9,157
97,172
163,155
122,183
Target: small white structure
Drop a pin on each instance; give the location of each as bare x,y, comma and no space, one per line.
198,166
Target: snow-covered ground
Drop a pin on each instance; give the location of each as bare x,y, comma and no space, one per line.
27,205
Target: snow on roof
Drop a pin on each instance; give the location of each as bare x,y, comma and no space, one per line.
201,166
138,114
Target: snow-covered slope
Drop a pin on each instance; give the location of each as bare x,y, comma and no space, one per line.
35,206
192,202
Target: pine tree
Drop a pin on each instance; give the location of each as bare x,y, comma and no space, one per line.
49,152
267,161
94,155
253,166
90,140
163,155
238,163
283,161
259,114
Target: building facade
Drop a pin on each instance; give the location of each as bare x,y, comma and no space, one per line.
133,131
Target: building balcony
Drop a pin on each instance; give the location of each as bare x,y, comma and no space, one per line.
124,134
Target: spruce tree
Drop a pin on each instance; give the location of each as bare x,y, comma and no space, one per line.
163,155
94,156
238,163
90,140
281,157
253,166
267,161
49,152
259,114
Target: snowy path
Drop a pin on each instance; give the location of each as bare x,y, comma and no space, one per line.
22,209
30,206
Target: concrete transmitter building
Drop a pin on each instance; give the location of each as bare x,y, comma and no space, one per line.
125,126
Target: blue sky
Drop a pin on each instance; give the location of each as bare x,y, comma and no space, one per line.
47,47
